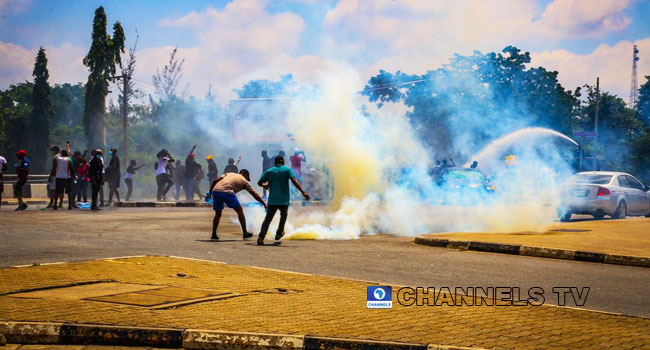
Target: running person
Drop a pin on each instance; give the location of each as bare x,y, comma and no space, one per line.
224,189
277,180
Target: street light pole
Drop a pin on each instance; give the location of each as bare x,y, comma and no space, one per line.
125,111
594,167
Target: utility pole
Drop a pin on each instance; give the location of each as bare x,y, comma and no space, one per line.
594,168
125,111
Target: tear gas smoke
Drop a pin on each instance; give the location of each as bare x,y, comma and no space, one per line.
380,169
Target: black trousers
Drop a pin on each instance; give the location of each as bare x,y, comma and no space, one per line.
270,213
164,182
96,187
129,188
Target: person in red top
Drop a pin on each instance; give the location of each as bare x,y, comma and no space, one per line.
82,179
296,162
22,170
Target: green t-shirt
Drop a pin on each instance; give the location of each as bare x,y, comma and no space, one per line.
278,179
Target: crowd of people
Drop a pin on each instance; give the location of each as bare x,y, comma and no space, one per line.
72,174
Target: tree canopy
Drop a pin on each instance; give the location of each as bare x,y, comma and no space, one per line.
101,60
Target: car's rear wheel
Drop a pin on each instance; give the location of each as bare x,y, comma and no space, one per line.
620,212
599,216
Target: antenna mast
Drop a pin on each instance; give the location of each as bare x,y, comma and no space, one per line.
634,86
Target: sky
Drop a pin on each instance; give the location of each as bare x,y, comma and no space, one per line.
227,43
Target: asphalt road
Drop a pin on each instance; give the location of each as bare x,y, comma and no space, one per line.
38,237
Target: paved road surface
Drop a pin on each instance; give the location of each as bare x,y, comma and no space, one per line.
38,237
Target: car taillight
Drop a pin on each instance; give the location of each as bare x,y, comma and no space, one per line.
602,191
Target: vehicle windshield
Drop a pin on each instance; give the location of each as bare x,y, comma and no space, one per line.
596,179
466,175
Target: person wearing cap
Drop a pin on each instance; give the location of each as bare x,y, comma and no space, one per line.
213,171
224,191
277,180
22,170
191,174
96,174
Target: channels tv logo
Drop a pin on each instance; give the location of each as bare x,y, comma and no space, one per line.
379,297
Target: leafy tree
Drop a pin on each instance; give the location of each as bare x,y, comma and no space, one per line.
285,87
643,105
39,122
473,99
15,110
101,60
166,82
619,129
68,108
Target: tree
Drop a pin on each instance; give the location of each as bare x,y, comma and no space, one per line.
460,106
619,129
103,56
41,116
15,111
285,87
166,82
68,109
643,105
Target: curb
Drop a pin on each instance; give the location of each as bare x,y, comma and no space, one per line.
160,204
540,252
171,338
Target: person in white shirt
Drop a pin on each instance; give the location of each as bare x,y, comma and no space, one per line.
64,176
3,168
163,179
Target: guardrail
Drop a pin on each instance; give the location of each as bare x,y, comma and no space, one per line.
36,186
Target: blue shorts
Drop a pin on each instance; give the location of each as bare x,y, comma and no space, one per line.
219,198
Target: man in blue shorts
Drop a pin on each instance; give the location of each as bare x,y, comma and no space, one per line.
277,180
224,189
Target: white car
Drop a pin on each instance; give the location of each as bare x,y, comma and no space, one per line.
601,193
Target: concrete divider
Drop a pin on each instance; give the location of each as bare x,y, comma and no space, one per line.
172,338
539,252
206,339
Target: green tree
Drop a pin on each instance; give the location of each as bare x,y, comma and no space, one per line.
15,111
619,130
103,56
460,106
285,87
643,105
39,123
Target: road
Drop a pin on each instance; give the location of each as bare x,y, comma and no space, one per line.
45,236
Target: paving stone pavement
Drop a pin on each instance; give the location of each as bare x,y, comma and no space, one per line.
71,347
271,301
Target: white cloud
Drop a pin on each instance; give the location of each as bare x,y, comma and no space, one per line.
64,64
16,64
613,64
239,42
414,36
581,19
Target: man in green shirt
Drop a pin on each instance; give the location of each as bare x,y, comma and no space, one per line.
277,180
